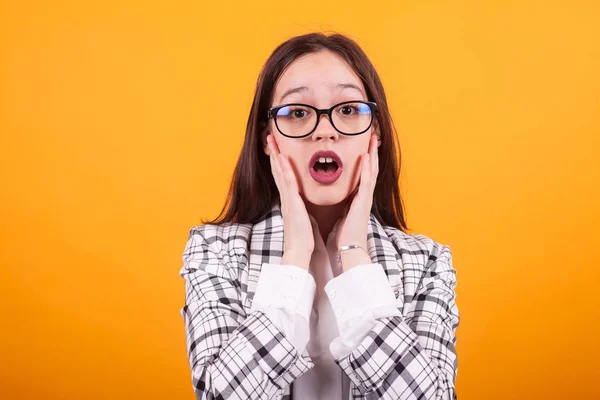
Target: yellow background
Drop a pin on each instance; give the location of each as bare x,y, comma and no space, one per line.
121,123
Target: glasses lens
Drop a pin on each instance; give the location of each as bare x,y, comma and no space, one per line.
352,117
296,120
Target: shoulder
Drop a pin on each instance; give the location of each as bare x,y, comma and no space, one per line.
225,236
422,254
223,246
417,244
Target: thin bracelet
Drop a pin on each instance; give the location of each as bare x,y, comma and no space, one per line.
347,247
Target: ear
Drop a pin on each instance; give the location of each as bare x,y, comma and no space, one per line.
264,132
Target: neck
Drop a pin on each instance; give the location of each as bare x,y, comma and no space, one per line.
325,216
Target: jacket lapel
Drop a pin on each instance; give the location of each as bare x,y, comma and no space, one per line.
266,246
383,251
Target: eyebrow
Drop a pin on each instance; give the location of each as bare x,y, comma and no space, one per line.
301,89
342,86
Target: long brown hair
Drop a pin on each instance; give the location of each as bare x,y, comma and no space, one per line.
253,191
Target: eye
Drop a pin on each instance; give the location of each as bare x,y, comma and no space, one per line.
348,110
295,112
299,113
353,110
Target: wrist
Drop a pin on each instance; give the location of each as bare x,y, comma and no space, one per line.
298,259
352,257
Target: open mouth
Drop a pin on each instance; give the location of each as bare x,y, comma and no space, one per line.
325,166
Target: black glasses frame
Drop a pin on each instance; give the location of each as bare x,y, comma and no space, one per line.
320,111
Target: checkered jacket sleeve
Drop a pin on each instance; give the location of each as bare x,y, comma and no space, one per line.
232,354
414,356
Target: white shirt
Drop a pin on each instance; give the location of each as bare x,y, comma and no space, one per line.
325,310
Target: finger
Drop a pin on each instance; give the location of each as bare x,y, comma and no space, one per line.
277,171
277,178
364,189
288,174
273,160
349,201
274,143
274,171
276,161
374,160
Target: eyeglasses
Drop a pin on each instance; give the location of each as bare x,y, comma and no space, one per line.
299,120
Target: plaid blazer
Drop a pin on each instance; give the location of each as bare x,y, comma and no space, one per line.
237,355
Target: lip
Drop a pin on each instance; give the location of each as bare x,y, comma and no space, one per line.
320,178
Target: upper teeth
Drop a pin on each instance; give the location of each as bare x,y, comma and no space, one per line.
325,160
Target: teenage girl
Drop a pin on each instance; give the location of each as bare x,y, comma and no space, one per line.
309,286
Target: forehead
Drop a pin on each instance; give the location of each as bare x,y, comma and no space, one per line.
320,73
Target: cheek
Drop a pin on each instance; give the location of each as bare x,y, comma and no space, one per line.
285,147
290,150
296,167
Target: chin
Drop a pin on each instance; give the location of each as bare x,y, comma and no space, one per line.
328,197
324,201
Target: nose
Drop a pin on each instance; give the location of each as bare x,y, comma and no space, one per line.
325,130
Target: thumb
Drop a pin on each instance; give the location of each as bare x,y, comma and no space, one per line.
349,201
337,223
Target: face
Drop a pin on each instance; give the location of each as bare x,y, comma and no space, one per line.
322,80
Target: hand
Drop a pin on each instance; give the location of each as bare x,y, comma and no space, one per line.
353,226
299,241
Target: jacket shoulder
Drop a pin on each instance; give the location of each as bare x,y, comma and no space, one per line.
219,248
225,236
418,248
